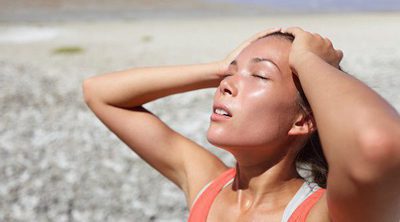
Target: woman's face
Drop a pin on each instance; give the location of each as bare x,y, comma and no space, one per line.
255,105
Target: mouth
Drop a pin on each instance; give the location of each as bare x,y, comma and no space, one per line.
220,112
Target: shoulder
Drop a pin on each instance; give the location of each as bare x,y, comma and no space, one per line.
304,203
319,212
201,206
198,183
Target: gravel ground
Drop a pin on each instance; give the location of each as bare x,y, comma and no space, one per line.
59,163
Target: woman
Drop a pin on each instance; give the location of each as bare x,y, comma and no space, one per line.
261,116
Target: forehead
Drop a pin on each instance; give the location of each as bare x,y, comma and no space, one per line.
272,47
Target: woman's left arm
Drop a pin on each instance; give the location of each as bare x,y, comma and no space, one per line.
359,132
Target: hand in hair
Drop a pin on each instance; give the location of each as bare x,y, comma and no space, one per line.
232,56
306,42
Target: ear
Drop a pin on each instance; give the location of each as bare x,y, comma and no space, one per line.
303,125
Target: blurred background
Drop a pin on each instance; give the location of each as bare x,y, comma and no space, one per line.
59,163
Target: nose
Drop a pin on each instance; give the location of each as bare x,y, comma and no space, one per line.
228,86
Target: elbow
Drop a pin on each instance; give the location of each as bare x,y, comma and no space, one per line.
379,144
87,90
379,154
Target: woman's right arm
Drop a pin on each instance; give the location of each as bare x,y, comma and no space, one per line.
117,99
137,86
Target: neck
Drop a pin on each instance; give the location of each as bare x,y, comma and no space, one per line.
262,180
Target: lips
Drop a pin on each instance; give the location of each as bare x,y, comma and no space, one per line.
220,112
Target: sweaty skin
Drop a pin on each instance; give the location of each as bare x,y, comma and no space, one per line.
259,92
265,129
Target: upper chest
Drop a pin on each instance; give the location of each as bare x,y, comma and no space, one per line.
227,207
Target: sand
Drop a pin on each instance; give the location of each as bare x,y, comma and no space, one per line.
59,163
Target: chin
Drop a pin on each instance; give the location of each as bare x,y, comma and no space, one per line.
221,140
216,138
212,138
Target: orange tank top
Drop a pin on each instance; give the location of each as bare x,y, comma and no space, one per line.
202,204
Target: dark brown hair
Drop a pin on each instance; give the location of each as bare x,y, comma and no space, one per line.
311,157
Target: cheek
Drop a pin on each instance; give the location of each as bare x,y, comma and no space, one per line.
264,104
261,120
263,116
267,116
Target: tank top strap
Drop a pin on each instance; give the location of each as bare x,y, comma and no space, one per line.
302,211
202,204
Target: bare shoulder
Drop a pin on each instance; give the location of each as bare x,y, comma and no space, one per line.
202,168
320,211
198,165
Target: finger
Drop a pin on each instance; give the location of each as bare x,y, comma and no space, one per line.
318,36
339,53
328,41
258,36
266,32
261,34
293,30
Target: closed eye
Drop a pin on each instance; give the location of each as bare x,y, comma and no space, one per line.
261,77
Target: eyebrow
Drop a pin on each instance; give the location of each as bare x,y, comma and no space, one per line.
257,60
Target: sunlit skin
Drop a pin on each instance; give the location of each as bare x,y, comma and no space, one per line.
359,130
260,93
